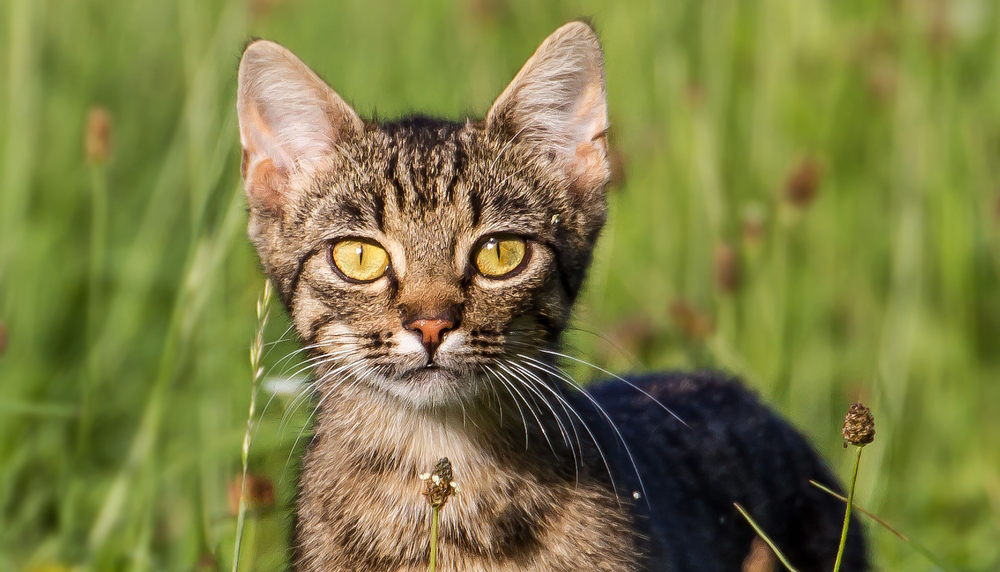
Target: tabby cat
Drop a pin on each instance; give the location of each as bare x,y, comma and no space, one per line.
431,267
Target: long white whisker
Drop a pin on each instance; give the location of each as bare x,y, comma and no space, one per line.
566,407
561,375
524,421
619,378
530,385
534,414
348,376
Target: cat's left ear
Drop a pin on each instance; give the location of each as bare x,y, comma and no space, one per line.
557,102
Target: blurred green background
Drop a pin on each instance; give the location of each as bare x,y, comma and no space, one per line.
807,193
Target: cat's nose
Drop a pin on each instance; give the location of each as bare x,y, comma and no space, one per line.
431,330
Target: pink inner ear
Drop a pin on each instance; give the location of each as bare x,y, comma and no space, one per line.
264,183
590,165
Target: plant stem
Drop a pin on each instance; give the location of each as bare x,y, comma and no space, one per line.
920,548
256,353
847,512
434,540
95,298
765,538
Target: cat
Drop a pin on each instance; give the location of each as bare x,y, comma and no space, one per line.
430,268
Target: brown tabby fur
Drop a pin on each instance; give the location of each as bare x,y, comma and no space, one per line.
427,191
546,473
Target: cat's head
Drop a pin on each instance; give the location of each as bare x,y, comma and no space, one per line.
427,259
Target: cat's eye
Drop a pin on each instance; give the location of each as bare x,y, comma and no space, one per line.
499,256
359,260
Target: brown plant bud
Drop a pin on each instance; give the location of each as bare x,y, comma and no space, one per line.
859,426
803,183
487,12
261,8
438,486
635,333
259,493
694,92
939,29
97,139
693,323
727,268
206,563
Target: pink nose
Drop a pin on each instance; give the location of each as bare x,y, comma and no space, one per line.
431,331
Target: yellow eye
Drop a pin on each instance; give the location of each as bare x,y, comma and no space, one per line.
500,255
359,260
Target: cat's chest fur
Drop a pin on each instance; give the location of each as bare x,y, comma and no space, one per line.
361,507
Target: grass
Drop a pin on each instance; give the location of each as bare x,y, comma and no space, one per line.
127,291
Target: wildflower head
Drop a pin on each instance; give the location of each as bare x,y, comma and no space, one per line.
859,426
438,486
97,138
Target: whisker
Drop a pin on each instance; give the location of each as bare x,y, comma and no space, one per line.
632,359
538,421
562,375
608,373
530,385
578,449
524,421
347,377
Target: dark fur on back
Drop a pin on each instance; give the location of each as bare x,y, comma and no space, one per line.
379,238
732,449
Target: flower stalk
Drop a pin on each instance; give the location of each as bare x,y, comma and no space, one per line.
859,430
438,488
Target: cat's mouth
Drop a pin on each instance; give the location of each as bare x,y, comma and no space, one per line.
429,373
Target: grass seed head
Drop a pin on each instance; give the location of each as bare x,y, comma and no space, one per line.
802,184
97,139
438,484
693,323
258,491
727,268
859,426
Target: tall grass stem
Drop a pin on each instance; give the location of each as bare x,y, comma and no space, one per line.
847,512
765,538
98,252
434,540
256,351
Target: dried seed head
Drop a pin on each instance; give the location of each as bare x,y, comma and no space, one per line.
97,139
803,183
259,491
727,269
692,322
634,334
859,426
438,486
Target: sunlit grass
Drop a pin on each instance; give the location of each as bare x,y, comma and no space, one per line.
127,290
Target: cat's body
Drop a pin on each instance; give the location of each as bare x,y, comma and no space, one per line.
431,268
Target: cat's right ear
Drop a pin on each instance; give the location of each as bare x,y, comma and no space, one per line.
557,102
289,118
